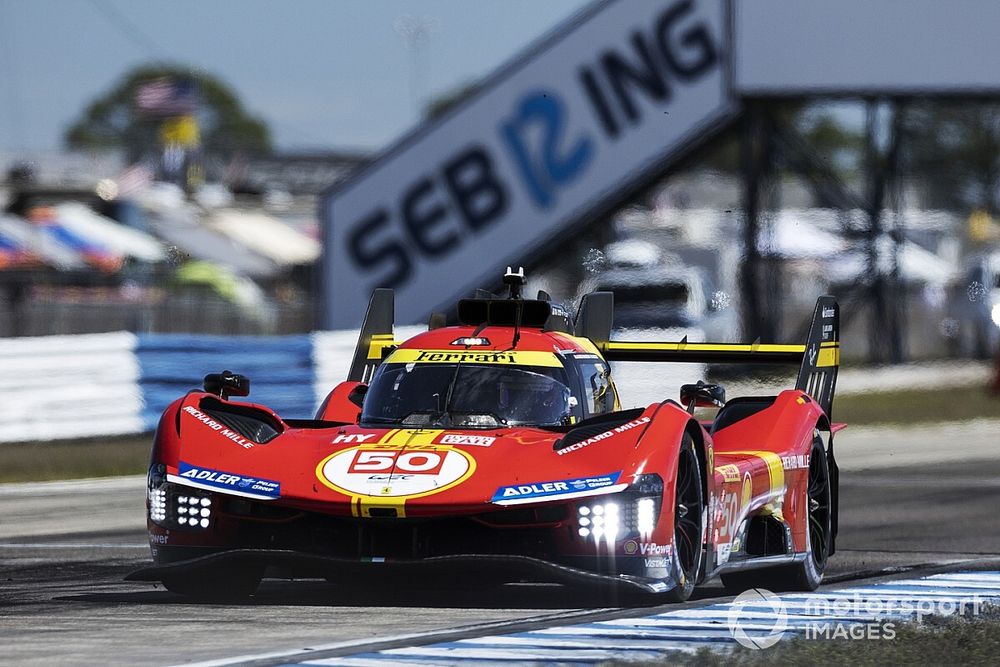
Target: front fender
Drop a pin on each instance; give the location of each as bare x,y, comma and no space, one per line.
657,451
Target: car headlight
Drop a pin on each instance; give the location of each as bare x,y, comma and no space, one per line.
631,513
173,506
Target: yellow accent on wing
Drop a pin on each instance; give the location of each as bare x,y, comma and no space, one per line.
829,355
379,343
624,346
513,358
585,343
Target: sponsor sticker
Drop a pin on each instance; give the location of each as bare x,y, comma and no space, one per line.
395,472
566,487
353,438
653,549
602,436
648,549
796,462
722,553
657,562
458,439
251,486
519,358
729,472
827,312
219,428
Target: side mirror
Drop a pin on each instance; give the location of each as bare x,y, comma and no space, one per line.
226,384
357,395
702,395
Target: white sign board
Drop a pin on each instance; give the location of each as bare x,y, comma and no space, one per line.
866,46
566,130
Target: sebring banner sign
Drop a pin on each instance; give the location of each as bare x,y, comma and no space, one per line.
566,131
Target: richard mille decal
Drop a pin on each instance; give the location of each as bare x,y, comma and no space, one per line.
601,436
219,428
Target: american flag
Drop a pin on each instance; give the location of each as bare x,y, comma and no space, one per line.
166,96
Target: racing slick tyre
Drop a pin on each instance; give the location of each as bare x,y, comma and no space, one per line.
689,510
217,586
807,574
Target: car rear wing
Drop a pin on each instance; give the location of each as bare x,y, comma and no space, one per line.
818,359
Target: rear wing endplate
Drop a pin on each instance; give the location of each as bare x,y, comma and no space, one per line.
376,334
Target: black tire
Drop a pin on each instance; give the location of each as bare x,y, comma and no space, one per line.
689,512
807,574
236,585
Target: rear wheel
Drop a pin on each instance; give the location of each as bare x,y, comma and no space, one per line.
689,511
805,575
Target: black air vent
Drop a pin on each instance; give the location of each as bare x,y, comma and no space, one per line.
503,312
252,424
599,424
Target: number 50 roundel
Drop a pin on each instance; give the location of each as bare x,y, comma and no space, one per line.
395,473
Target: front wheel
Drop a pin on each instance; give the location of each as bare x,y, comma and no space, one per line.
689,513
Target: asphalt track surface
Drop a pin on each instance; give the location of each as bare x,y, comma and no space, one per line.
911,498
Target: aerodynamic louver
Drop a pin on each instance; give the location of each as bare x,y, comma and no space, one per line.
596,425
251,423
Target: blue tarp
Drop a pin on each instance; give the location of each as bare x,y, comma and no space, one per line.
280,369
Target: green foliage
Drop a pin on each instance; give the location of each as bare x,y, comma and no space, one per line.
915,407
111,121
72,459
955,149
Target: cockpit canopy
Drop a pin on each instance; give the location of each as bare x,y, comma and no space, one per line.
464,395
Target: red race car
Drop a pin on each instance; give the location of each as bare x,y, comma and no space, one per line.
496,450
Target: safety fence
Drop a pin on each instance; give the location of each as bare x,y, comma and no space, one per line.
92,385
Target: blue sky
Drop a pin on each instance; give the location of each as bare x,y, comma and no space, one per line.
322,73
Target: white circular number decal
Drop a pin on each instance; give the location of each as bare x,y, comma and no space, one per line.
394,473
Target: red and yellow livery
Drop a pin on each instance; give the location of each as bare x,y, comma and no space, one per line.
496,450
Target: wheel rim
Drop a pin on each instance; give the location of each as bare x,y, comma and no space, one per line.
819,507
687,514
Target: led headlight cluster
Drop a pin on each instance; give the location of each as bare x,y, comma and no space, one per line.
158,505
632,513
602,520
174,506
194,511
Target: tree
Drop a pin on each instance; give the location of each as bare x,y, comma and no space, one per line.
954,148
112,121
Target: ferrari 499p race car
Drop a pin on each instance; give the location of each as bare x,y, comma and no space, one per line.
496,451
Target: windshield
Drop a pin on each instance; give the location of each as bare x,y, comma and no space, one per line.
483,396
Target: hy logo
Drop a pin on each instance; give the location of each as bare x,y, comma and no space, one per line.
757,618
